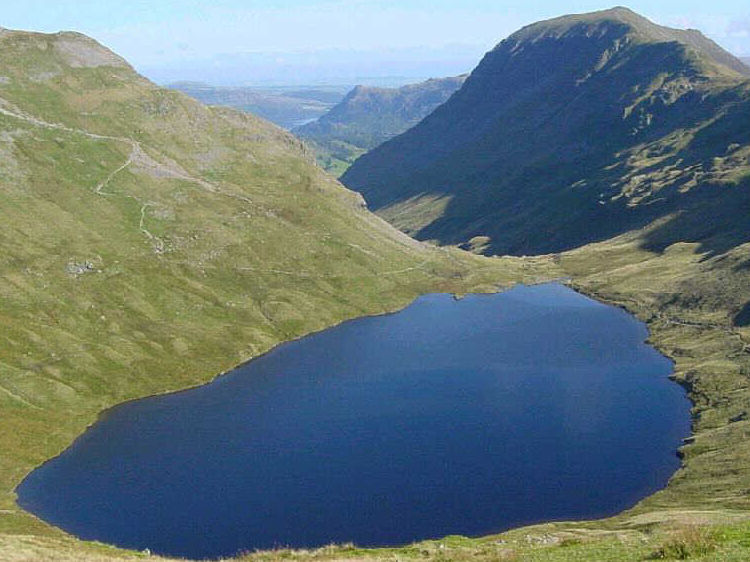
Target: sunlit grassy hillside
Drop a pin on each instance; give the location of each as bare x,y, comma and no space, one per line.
150,243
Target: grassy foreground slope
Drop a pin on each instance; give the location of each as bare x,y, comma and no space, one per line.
369,116
150,243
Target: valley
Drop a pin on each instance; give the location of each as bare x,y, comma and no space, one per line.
151,242
288,107
368,116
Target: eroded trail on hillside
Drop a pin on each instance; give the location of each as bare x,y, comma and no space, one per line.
142,161
138,156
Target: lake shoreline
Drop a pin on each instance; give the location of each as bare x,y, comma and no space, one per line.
280,348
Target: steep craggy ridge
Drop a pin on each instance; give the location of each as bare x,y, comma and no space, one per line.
571,131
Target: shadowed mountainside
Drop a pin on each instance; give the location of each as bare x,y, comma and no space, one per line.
570,131
369,116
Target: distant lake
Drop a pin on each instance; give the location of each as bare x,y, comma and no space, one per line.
465,416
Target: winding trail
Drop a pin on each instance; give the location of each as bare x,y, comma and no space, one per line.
306,275
135,149
103,184
139,156
136,153
18,397
56,126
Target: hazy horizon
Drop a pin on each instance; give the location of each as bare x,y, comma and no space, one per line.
393,67
234,42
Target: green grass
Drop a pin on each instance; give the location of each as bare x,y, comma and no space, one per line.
548,543
335,157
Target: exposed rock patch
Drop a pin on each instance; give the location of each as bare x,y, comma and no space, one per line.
80,51
78,268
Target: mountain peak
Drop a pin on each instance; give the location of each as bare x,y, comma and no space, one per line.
549,143
70,47
623,22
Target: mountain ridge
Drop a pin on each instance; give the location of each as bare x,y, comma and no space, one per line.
369,116
553,131
647,29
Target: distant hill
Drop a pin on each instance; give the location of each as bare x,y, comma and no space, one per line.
746,60
369,116
287,107
574,130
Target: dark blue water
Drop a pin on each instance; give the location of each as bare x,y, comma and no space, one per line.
450,417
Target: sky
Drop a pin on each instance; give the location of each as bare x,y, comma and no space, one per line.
245,42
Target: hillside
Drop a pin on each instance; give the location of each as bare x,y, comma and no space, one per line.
287,107
571,131
151,243
369,116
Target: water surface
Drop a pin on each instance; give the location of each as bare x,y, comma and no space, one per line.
450,417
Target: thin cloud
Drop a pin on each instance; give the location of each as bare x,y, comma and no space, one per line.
739,27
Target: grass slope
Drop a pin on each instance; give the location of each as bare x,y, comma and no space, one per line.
369,116
151,243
